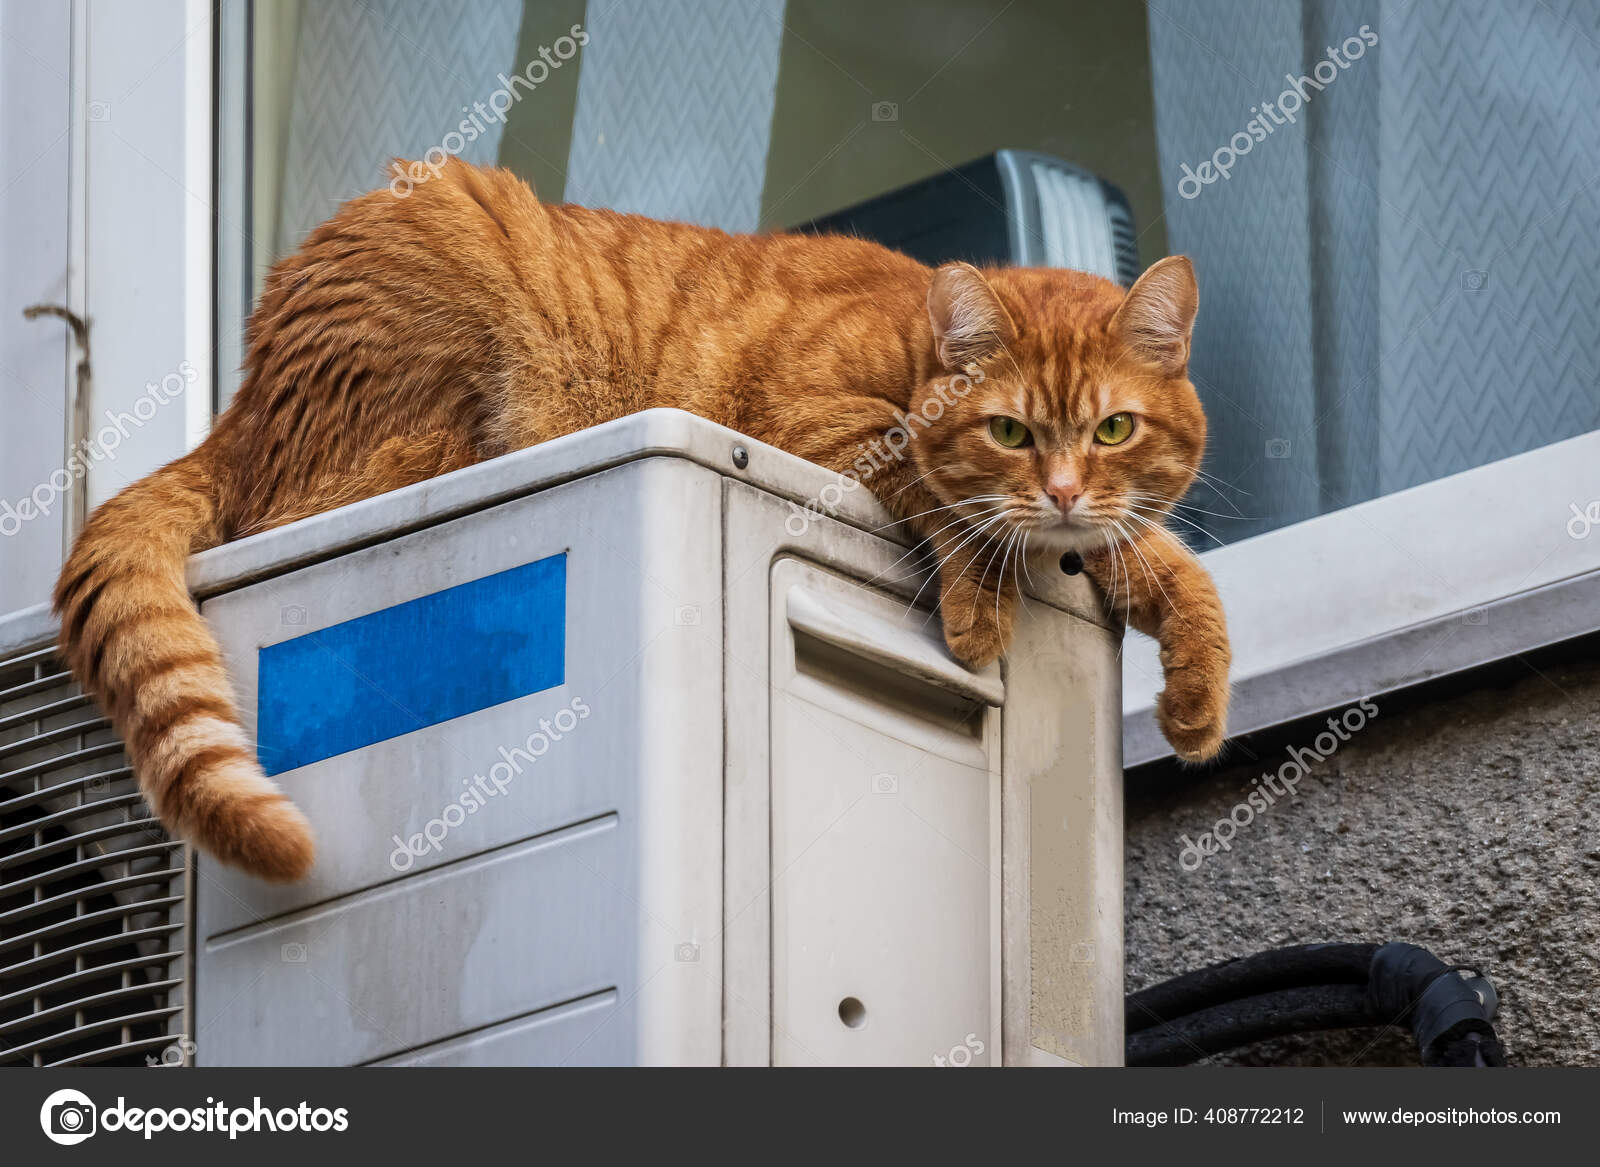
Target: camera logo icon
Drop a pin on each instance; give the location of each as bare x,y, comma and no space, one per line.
293,953
885,784
885,111
1584,521
179,1053
292,616
67,1117
1277,447
686,952
686,616
1475,280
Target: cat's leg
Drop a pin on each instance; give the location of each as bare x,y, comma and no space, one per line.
976,560
977,595
1162,590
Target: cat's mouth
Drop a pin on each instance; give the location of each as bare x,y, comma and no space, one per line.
1088,526
1092,522
1083,528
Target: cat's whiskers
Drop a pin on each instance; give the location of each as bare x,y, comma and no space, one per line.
978,530
977,591
1000,579
1183,506
1150,572
1027,533
975,499
1127,576
1016,535
984,534
1114,553
957,521
1124,543
986,540
1160,533
1132,510
1216,484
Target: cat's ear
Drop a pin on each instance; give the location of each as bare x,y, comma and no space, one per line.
969,322
1157,317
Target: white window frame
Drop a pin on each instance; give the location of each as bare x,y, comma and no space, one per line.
38,357
1477,567
138,253
147,197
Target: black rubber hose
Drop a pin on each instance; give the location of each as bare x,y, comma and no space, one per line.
1229,1024
1449,1016
1249,976
1314,987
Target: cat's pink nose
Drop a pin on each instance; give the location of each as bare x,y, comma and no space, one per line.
1065,491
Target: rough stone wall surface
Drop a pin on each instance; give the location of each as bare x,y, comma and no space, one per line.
1469,825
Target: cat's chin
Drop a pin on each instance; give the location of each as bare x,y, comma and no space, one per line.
1061,537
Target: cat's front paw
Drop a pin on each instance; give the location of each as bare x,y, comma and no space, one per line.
977,639
1192,710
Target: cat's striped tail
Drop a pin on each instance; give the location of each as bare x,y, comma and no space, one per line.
133,637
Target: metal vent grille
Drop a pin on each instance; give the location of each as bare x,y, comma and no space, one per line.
1124,242
91,890
1072,217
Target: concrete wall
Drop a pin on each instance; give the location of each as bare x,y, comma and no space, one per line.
1469,824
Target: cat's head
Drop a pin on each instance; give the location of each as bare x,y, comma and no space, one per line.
1061,405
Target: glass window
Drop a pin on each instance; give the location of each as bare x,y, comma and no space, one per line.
1391,206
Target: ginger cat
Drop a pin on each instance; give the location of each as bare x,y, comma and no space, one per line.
412,336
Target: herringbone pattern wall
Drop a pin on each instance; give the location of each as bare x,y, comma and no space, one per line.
1489,213
675,109
1252,357
1401,285
379,79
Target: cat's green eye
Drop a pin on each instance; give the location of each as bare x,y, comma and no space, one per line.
1115,430
1009,432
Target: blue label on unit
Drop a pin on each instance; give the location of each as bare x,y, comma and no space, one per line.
413,665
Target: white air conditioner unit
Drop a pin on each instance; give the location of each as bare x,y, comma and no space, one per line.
629,749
